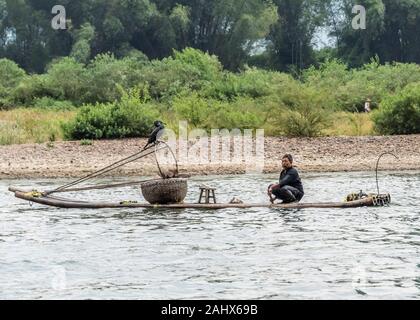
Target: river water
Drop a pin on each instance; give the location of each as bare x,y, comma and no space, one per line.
363,253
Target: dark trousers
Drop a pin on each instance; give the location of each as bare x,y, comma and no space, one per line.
288,194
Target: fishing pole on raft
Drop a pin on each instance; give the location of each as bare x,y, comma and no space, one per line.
113,166
153,141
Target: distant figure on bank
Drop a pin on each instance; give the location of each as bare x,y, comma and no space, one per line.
367,106
290,187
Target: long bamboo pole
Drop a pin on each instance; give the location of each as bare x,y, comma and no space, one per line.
62,203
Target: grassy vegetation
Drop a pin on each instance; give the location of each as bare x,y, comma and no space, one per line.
116,98
32,125
86,142
350,124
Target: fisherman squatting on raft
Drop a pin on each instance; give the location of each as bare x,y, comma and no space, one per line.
290,188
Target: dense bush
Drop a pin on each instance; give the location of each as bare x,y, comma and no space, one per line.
53,104
32,87
105,73
390,78
193,109
192,85
131,116
10,77
208,67
348,90
68,77
11,73
187,71
400,113
242,113
252,83
304,122
305,115
331,74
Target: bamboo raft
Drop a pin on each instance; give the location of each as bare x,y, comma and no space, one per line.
59,202
170,191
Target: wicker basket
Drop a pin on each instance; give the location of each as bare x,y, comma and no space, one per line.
165,191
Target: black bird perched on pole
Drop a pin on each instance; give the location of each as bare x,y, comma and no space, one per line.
157,132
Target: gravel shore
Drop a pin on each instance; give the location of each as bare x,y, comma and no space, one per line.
327,154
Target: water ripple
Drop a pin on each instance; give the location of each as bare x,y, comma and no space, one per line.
366,253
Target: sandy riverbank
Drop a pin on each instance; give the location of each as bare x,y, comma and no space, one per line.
332,154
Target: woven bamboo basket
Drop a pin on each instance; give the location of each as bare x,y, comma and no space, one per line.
165,191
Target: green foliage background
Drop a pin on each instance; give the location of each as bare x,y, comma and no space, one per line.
218,64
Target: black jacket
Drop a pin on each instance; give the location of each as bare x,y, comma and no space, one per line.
290,177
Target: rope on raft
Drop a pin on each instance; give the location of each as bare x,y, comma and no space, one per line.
377,167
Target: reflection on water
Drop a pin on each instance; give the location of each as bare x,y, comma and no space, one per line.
363,253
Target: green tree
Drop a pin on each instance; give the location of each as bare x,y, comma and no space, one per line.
391,33
11,75
3,11
81,50
291,37
358,46
229,28
402,24
27,36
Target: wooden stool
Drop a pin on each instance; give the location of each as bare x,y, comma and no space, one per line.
208,194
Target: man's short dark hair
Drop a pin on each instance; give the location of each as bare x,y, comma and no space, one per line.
288,156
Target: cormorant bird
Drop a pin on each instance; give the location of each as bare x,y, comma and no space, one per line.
157,132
